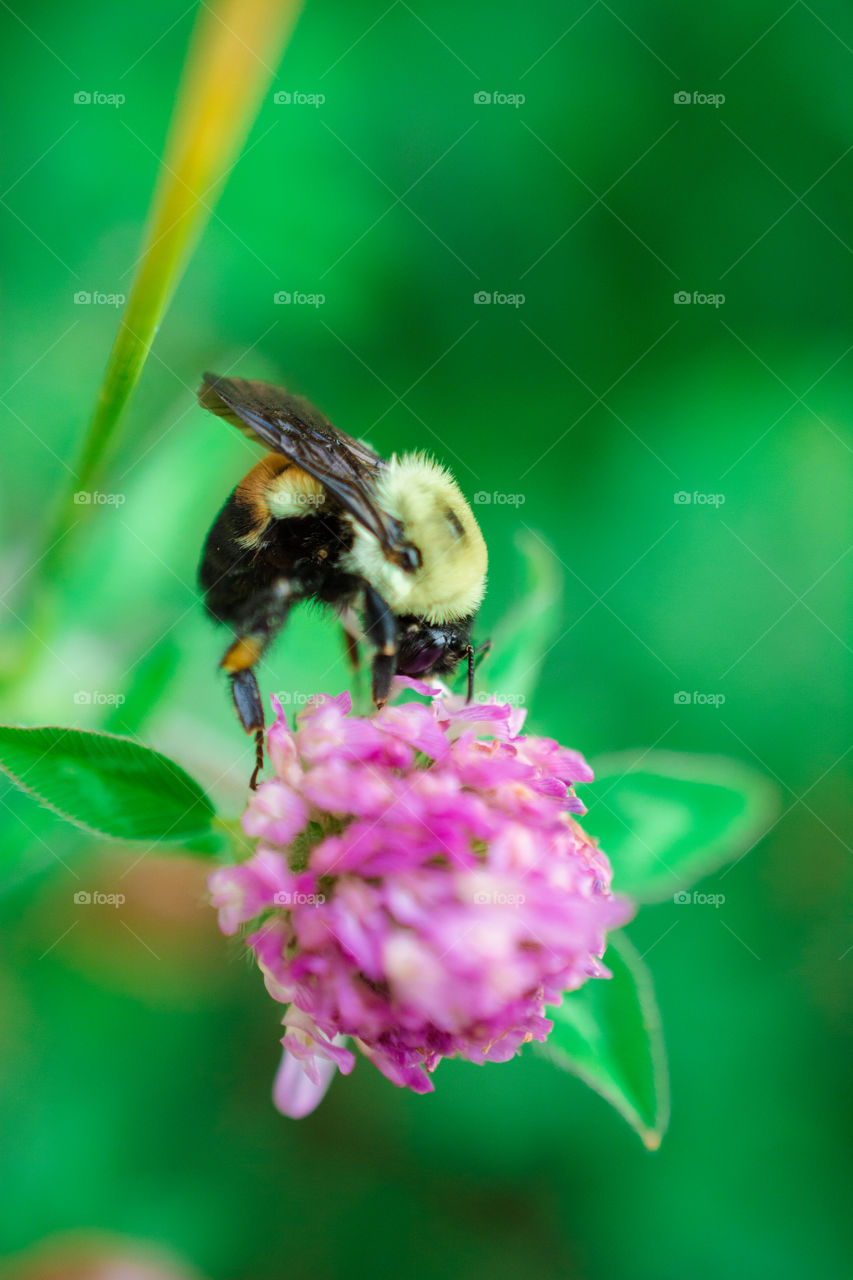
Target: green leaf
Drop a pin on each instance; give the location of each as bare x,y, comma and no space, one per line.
111,786
668,819
529,630
609,1034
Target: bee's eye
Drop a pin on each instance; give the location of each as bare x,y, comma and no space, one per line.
421,660
456,526
410,558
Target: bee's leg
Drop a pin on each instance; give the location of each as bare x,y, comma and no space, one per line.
381,630
262,618
351,650
247,700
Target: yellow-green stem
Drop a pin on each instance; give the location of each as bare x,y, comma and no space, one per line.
235,47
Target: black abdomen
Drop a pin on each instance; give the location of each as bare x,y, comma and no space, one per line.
237,562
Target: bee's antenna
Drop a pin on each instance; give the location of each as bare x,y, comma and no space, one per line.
469,653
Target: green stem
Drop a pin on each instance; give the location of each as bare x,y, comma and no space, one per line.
234,46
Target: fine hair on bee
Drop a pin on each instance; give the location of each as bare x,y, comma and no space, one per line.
391,545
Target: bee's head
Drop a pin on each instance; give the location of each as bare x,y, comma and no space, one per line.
426,648
440,574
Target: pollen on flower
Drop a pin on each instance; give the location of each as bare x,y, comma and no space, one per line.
418,888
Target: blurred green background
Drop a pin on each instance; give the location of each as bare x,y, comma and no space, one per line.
137,1046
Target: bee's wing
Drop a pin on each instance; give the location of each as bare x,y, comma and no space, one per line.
346,468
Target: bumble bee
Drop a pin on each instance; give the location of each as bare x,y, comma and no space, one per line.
323,517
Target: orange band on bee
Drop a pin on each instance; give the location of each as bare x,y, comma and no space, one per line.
244,653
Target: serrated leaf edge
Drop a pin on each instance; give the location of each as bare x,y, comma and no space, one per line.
85,826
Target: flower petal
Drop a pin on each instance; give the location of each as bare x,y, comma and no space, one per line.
294,1093
276,813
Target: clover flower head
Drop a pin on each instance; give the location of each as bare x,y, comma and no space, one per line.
421,888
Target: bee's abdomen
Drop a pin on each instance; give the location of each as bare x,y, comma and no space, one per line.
229,571
242,557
